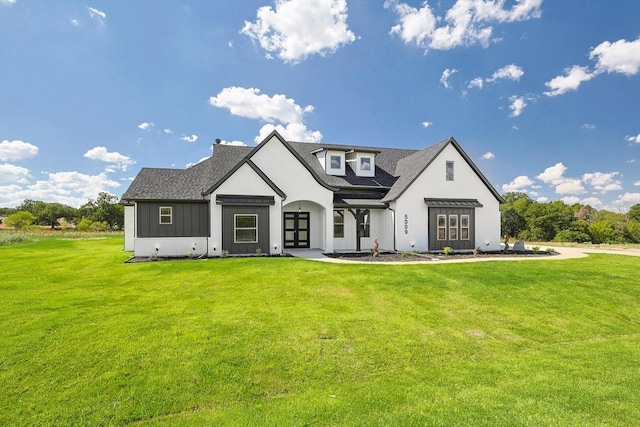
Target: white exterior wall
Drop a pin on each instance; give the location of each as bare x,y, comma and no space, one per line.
129,228
245,181
432,183
293,178
171,246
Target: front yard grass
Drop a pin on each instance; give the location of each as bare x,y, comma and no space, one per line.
88,340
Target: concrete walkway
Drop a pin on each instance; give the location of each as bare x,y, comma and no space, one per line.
564,253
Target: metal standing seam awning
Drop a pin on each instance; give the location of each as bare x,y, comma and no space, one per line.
453,203
233,199
340,202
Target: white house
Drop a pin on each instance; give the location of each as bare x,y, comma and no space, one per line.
282,195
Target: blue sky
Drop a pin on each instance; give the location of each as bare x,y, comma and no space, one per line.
543,95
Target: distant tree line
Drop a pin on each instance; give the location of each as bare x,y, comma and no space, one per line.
526,219
102,214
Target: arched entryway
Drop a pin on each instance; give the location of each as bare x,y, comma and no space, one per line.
303,225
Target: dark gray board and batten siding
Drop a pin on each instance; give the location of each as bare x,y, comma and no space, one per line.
190,219
457,244
228,220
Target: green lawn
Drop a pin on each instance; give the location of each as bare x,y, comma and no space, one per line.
86,339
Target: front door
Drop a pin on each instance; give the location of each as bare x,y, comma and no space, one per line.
296,230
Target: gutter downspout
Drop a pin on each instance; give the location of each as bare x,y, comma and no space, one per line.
394,227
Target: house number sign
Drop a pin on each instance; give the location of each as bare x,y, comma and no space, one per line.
406,224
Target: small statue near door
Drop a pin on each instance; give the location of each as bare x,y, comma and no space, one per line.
376,251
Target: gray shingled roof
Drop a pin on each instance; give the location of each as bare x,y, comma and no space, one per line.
396,169
385,161
185,184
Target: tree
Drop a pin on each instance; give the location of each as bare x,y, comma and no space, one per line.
104,209
52,212
634,213
19,220
578,232
511,223
7,211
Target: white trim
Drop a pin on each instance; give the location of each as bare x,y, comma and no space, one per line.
468,227
453,227
236,228
170,215
438,228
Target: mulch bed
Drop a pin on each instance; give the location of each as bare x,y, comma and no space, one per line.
413,256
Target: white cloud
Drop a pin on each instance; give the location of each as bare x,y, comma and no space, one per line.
629,198
236,143
572,79
570,186
465,24
97,15
632,138
168,131
588,126
145,125
621,57
299,28
199,161
603,182
518,105
518,184
292,132
75,22
70,188
13,173
637,183
477,82
570,200
426,124
553,174
618,57
444,79
8,2
192,138
511,72
488,155
17,150
542,199
252,104
591,201
118,160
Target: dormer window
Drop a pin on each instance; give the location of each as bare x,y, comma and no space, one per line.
336,162
363,164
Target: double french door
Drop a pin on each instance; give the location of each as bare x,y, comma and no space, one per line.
296,230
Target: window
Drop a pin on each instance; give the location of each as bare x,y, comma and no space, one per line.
453,227
166,215
365,225
442,227
338,224
336,162
246,228
449,171
365,163
464,227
